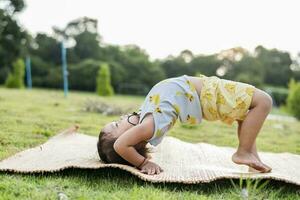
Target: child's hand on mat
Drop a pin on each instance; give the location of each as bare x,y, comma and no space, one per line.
151,168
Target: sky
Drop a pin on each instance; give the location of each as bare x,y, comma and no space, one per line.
166,27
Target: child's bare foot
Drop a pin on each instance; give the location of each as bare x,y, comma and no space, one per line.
249,158
269,168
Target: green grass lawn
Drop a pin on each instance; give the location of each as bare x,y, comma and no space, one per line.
29,118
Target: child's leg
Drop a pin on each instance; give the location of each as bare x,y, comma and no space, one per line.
248,130
254,151
254,144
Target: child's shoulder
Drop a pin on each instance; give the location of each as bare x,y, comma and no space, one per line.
147,125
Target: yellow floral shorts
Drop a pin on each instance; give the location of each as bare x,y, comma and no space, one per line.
225,100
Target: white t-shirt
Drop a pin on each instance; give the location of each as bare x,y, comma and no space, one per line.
168,100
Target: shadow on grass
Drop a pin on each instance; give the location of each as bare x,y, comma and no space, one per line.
95,178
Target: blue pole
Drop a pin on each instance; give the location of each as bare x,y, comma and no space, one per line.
28,72
64,68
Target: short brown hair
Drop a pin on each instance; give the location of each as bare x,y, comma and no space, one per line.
107,153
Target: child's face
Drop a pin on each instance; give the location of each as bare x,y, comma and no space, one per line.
117,128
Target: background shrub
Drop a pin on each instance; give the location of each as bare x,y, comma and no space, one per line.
293,100
104,87
16,79
82,76
279,94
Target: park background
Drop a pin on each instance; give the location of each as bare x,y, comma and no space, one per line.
133,70
122,73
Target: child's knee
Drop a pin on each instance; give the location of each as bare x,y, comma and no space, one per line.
266,102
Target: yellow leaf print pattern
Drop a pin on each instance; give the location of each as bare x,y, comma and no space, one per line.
249,91
158,133
177,108
172,123
220,99
240,103
155,99
178,93
191,119
227,120
192,87
207,95
230,87
213,112
188,95
158,110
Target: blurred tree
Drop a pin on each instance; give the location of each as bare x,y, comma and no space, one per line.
103,81
40,70
205,64
248,70
12,36
82,76
228,58
87,46
190,64
295,67
139,71
112,54
12,6
82,38
47,48
54,78
174,66
276,64
45,52
294,98
117,74
130,65
187,55
16,79
76,27
39,67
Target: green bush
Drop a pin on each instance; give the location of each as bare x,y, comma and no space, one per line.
4,71
279,94
54,78
82,76
293,100
104,87
42,73
16,79
250,79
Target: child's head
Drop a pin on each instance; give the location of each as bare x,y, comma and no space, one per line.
110,133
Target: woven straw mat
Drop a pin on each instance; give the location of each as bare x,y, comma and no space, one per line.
182,162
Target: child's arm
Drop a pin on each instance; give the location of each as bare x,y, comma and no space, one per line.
124,145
